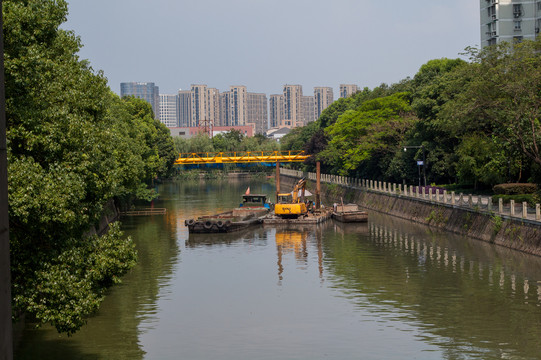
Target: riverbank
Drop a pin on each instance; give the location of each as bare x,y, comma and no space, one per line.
512,232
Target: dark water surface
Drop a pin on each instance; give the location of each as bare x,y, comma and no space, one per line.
388,289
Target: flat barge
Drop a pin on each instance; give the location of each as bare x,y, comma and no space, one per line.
349,213
310,218
251,212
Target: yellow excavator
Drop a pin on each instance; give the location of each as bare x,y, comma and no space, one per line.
292,205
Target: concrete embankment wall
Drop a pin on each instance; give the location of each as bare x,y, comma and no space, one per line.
110,214
503,230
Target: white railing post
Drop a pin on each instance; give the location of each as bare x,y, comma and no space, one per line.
524,210
512,207
500,205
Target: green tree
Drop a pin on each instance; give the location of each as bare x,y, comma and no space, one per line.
481,159
73,147
502,99
366,139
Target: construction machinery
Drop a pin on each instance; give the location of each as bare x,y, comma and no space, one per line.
292,205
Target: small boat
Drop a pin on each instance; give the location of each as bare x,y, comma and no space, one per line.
252,210
349,213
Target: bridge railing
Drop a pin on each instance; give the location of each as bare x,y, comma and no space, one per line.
429,194
241,157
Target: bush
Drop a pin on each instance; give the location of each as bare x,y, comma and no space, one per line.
515,189
531,199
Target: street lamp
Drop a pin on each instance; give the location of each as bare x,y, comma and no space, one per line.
419,163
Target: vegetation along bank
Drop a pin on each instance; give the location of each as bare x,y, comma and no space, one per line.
73,147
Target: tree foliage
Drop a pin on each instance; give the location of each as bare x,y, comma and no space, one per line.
503,97
229,141
73,147
363,141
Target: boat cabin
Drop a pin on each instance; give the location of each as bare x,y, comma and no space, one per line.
254,200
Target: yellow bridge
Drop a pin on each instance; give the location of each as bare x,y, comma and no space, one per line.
240,157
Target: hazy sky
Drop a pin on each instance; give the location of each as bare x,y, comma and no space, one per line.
266,44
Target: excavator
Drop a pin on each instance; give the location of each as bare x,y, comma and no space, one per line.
291,205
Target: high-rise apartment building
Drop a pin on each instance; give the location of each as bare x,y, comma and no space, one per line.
199,98
509,20
323,97
346,90
276,110
308,110
257,105
168,110
293,110
213,106
238,105
143,90
184,108
225,105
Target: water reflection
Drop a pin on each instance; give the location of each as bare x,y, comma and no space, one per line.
250,236
384,289
128,310
290,240
462,293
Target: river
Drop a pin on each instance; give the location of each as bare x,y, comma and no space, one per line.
388,289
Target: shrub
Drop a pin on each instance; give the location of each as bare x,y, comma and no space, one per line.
515,189
531,199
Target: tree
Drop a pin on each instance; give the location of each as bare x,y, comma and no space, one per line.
481,159
73,147
503,96
370,135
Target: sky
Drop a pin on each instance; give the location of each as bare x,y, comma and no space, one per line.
265,44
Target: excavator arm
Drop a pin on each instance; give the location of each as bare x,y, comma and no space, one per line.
299,186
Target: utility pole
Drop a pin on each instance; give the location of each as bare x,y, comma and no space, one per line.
6,342
318,185
423,163
277,180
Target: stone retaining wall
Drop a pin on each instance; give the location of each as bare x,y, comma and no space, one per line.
511,232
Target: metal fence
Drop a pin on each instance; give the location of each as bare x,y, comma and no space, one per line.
429,194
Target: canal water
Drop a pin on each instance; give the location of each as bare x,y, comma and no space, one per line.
388,289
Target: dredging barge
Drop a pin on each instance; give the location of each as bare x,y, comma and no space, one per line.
252,210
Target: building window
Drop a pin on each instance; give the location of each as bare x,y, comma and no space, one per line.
518,25
492,11
517,10
517,39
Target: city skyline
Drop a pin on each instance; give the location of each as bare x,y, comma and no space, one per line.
265,45
203,105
